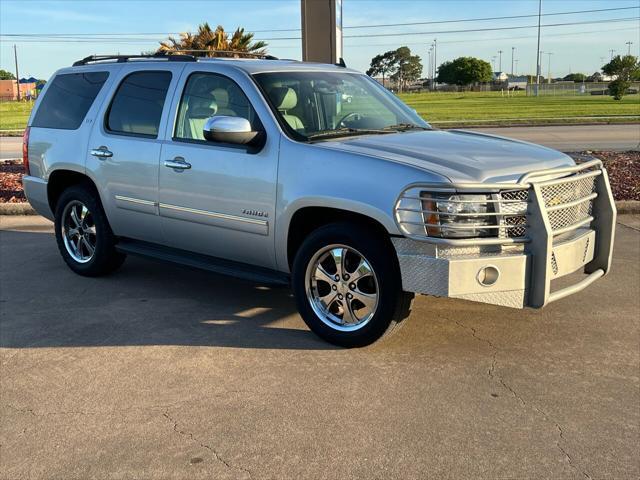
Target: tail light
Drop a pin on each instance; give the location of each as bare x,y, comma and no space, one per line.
25,151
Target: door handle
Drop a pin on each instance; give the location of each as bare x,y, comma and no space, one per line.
102,152
178,163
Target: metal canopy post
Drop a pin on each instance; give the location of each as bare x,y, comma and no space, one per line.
321,30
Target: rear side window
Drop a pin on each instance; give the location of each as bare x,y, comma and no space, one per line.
137,105
68,100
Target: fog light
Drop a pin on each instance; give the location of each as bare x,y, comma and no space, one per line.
488,276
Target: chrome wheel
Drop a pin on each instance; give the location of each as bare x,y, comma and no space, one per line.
342,288
78,231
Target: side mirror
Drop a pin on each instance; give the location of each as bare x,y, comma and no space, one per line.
235,130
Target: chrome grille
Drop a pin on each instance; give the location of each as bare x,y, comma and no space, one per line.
513,207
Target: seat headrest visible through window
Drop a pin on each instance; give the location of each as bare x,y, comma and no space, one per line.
202,107
285,98
222,97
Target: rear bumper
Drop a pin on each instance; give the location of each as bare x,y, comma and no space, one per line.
517,275
35,189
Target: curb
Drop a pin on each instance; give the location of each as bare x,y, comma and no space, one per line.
22,208
624,207
628,207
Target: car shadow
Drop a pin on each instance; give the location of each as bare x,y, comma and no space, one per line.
44,304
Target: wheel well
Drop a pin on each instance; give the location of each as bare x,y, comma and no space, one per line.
308,219
60,180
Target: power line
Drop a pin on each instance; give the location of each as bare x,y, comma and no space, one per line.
510,17
66,38
439,32
434,22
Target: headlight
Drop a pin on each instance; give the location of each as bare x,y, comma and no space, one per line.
457,215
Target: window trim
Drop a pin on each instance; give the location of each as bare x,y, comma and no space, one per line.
105,120
195,141
93,102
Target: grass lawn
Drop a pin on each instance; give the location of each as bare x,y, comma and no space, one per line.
448,109
480,107
14,115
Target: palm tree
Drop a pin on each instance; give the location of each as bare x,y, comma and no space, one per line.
208,43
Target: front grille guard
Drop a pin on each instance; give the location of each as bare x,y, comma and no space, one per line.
558,201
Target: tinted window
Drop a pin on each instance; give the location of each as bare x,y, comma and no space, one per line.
137,105
68,100
209,95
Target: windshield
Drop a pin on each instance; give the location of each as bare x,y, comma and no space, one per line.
322,105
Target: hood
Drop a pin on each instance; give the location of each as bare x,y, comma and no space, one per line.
460,155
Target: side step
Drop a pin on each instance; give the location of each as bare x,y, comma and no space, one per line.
203,262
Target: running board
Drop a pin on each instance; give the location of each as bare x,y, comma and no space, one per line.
203,262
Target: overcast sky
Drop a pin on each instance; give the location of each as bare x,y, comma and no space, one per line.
117,26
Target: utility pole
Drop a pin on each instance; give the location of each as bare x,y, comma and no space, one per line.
493,63
538,49
513,49
429,74
611,52
628,44
516,61
435,61
500,67
549,67
15,55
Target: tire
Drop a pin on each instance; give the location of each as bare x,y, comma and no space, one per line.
332,320
95,229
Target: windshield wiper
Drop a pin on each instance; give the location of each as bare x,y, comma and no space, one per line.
345,132
403,127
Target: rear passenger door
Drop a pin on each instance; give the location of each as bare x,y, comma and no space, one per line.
124,147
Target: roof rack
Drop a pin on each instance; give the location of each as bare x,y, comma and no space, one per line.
175,56
125,58
226,54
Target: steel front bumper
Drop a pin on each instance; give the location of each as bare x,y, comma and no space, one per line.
520,274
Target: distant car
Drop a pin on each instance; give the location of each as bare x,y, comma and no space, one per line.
630,91
311,175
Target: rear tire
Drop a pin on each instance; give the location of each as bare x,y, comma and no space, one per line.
83,234
339,310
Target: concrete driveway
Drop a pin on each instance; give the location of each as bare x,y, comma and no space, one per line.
165,372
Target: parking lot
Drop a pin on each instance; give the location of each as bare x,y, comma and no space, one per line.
160,371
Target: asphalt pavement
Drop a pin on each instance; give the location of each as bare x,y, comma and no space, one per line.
567,138
574,138
159,371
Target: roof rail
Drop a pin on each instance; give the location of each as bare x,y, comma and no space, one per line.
125,58
225,54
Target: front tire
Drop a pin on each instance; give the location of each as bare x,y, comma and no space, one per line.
347,285
83,234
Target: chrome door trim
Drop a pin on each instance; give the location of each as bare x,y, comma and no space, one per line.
234,222
136,204
136,200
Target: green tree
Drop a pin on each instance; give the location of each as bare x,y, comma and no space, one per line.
625,69
401,66
4,75
575,77
207,42
464,71
382,64
408,67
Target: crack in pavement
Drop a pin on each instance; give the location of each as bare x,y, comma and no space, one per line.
215,454
31,411
491,373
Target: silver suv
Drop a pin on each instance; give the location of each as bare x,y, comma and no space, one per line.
311,175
